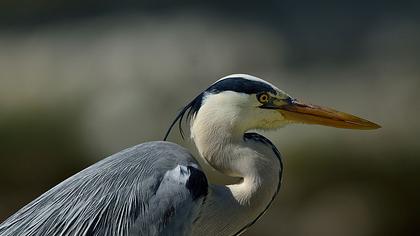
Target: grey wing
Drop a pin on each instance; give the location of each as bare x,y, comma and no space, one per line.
155,188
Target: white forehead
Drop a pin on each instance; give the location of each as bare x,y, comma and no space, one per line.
248,77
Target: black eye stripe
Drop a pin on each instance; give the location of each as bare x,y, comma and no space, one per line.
240,85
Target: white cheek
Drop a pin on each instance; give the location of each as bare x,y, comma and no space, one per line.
229,109
269,119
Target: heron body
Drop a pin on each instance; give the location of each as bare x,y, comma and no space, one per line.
158,188
133,192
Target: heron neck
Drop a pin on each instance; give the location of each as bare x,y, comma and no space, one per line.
243,202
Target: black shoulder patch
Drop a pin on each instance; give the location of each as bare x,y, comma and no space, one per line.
197,183
240,85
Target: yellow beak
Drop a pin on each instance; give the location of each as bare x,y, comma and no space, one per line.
313,114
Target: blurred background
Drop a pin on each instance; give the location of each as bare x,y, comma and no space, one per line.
80,80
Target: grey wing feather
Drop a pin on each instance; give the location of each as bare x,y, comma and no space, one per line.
154,188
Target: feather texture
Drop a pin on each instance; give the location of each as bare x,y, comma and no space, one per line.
138,191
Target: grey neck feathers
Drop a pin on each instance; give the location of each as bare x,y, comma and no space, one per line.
223,146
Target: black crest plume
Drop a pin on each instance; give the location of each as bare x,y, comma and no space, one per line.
189,110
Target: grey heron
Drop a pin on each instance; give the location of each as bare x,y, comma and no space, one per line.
158,188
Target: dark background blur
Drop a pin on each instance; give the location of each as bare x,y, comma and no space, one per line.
80,80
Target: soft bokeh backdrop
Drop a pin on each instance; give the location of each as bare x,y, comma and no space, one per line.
80,80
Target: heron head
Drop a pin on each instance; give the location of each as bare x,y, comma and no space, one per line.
244,102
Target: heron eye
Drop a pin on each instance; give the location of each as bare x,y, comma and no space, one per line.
263,98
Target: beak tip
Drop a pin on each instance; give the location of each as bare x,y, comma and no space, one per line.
376,126
367,125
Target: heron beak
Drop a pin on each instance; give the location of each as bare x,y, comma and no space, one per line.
312,114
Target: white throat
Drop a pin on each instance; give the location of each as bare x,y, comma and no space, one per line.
220,142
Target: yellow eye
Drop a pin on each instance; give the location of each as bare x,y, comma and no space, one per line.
263,98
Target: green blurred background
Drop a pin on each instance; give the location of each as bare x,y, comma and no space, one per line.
80,80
